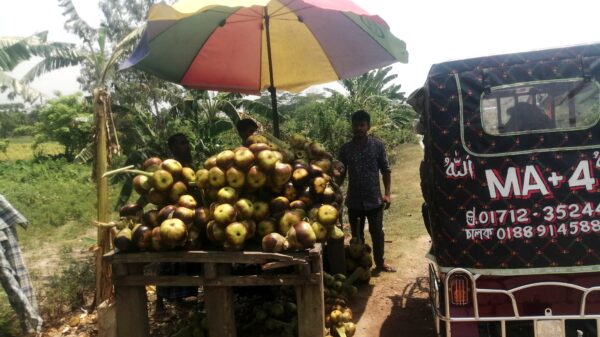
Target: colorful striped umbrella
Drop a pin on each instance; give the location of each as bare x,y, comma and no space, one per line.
247,46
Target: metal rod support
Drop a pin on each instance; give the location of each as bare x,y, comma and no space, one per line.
272,88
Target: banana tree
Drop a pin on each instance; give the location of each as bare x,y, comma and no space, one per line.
98,59
374,83
98,55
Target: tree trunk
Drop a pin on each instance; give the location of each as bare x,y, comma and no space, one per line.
103,270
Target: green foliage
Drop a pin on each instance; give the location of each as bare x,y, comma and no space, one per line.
67,121
4,146
320,121
11,117
49,192
393,126
202,116
391,117
327,119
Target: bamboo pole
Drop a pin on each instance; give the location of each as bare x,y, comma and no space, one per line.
103,271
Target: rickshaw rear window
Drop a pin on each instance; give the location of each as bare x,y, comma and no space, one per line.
558,105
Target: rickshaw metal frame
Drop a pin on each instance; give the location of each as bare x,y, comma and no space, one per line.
447,318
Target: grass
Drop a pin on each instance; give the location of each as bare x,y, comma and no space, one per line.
404,220
20,148
52,194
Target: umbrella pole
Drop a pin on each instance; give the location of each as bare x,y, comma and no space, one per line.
272,89
275,114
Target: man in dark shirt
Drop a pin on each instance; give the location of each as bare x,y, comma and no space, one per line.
246,127
181,151
179,146
364,157
527,117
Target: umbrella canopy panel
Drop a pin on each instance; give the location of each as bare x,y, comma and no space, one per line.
223,45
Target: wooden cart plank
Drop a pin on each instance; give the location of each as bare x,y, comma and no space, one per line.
199,256
282,264
227,281
209,256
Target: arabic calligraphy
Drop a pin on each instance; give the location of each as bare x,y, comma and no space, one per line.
459,168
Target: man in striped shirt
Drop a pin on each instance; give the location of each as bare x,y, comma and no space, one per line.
13,273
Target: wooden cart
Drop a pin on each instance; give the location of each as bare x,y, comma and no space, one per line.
217,281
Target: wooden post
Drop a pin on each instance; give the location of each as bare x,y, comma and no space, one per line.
218,302
310,303
335,256
132,312
103,270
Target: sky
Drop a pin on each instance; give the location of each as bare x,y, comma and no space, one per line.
434,31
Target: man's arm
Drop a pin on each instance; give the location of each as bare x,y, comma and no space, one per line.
384,167
387,182
340,179
342,158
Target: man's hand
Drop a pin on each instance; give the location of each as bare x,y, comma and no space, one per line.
387,201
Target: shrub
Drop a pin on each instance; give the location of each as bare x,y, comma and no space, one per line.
67,291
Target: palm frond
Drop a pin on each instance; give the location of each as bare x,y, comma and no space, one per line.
12,55
256,107
29,94
15,50
50,48
74,22
118,52
229,109
51,63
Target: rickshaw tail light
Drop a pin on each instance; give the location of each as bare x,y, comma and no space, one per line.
460,290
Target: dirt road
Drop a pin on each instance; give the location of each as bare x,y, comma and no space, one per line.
396,304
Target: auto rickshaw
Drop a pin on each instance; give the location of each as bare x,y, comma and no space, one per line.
510,179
